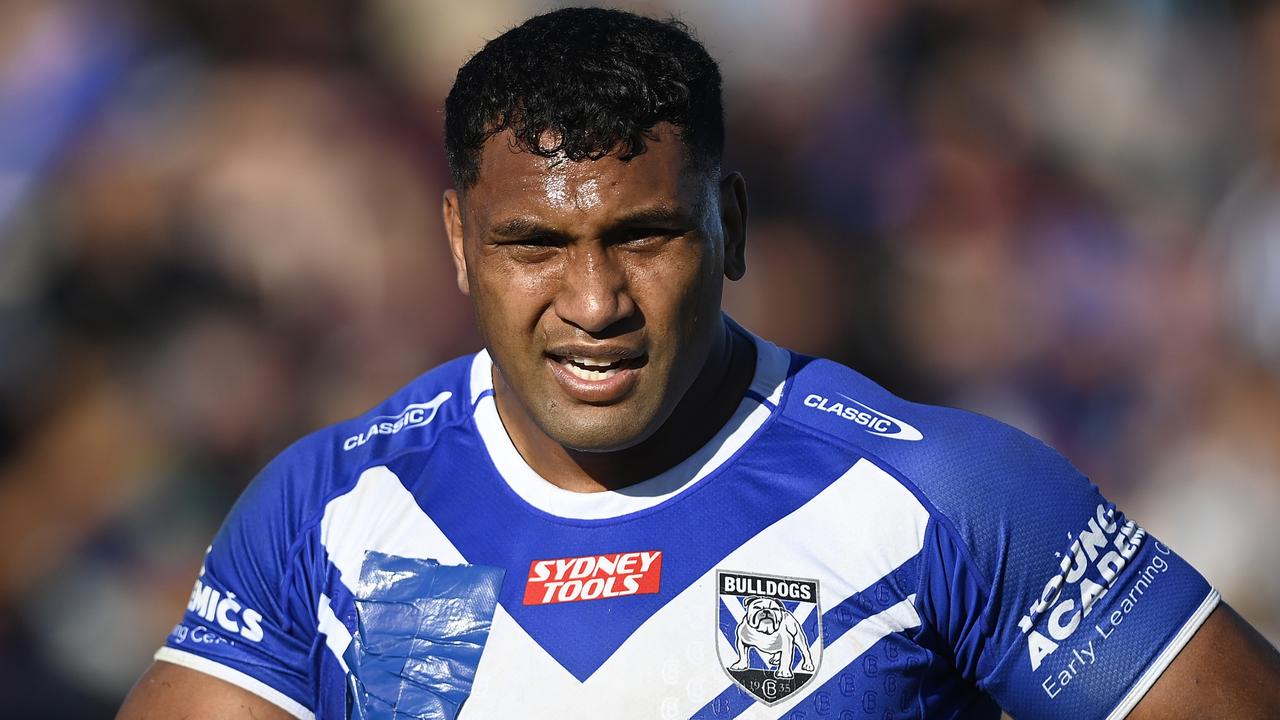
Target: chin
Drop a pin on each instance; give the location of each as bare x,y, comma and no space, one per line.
598,437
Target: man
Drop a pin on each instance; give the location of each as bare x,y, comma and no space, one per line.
628,506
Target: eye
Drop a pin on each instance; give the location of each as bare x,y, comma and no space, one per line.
646,237
534,241
531,249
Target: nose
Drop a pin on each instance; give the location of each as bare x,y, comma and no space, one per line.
594,293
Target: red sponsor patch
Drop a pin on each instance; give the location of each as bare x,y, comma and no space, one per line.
593,577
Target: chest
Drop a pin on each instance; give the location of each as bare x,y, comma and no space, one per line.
766,596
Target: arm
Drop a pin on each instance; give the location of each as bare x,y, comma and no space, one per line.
1058,606
170,691
1226,670
242,647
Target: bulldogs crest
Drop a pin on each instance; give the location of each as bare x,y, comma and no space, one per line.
770,632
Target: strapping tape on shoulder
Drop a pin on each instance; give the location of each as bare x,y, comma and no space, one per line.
422,627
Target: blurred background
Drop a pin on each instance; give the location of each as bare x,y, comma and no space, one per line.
219,230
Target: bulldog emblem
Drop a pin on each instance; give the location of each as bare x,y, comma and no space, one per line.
770,632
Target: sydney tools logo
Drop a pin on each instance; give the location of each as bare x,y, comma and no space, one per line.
593,577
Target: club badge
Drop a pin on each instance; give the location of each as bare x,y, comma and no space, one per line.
769,632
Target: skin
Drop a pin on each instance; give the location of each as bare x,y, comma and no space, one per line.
1227,670
606,258
587,279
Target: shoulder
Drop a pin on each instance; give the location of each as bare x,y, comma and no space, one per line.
975,474
928,444
323,463
411,418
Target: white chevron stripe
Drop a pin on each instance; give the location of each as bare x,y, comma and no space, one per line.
380,514
336,635
669,666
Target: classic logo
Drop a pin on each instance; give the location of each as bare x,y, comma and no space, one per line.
770,632
414,415
870,419
593,577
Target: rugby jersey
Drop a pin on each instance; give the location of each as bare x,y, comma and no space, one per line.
834,551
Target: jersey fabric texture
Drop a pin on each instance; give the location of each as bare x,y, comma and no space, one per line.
834,551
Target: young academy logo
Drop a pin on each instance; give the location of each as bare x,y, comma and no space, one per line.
770,632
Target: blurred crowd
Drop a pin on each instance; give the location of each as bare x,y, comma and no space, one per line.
219,230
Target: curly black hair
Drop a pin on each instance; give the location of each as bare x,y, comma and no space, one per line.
589,80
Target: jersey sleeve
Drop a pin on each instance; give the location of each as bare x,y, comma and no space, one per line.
1045,594
246,622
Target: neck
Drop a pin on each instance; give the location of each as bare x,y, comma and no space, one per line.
705,408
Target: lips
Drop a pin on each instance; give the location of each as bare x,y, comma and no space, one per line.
596,375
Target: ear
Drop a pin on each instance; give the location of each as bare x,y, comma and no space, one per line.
733,222
452,213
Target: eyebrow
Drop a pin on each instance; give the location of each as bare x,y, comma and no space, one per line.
657,215
521,227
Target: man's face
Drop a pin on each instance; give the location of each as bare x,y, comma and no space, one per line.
596,284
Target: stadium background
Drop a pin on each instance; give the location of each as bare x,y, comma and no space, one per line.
219,230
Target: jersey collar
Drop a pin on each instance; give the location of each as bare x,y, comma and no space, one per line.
761,399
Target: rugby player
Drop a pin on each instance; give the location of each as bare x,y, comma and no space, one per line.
627,505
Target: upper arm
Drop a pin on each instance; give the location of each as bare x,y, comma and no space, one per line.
1042,592
1226,670
171,691
249,622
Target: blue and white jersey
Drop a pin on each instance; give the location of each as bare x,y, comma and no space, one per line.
834,551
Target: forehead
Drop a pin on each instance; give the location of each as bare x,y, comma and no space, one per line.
515,183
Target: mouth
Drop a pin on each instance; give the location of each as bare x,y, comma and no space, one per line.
596,376
595,368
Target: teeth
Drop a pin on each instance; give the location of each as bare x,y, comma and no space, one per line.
591,368
589,361
586,374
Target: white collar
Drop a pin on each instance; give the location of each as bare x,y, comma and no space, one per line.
761,399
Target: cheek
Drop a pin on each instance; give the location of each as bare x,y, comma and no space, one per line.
677,287
513,297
